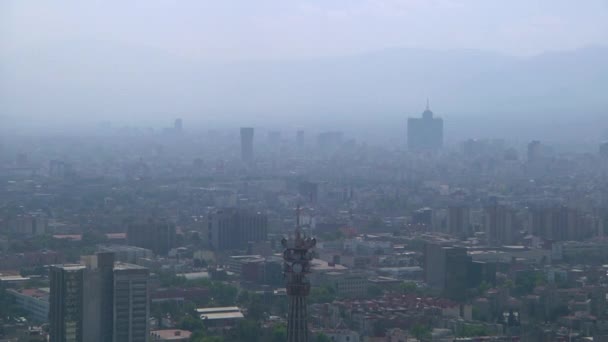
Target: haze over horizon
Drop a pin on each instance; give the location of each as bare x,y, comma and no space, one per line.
302,63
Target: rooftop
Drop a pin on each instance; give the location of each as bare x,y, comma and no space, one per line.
171,334
125,266
227,312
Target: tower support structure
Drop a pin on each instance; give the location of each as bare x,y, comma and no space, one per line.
296,265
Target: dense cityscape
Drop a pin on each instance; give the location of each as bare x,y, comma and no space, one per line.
168,235
304,171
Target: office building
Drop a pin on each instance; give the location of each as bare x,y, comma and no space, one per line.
155,235
131,303
423,216
330,140
300,139
99,301
33,301
66,302
425,133
604,150
98,293
309,191
234,228
446,269
499,225
274,138
178,126
247,144
458,221
535,151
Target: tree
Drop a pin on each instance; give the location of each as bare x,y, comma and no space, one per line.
374,291
247,331
421,331
255,308
472,331
321,337
203,338
279,333
408,287
93,237
483,287
223,294
323,294
192,324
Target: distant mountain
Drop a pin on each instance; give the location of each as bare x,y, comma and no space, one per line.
103,80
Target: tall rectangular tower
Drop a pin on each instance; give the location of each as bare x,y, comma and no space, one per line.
99,301
459,221
98,293
67,303
178,125
247,144
446,269
499,225
425,133
131,303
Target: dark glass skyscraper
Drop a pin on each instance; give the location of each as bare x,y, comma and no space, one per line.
66,303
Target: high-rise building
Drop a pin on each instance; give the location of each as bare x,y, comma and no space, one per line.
131,303
446,269
309,190
300,139
178,125
98,293
330,140
423,216
155,235
274,138
535,151
604,150
458,222
66,302
247,144
425,133
99,301
499,225
234,228
560,223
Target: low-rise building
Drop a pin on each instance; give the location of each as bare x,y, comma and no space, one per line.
220,317
173,335
34,301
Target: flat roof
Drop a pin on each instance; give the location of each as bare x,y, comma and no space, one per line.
218,309
126,266
70,267
13,278
172,334
222,315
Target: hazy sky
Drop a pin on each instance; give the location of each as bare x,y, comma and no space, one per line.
246,29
